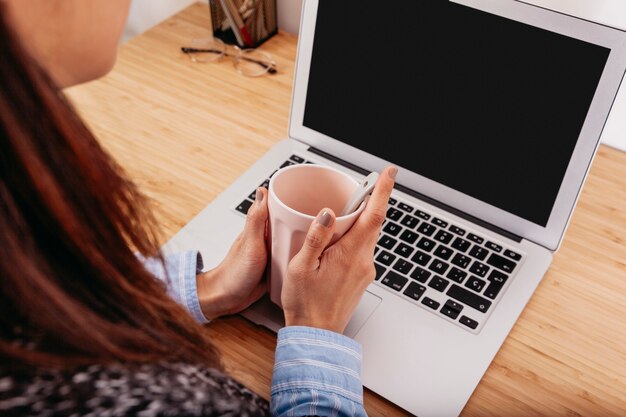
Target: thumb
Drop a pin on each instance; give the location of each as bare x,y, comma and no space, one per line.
257,216
317,238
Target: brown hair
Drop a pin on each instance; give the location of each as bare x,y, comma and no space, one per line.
70,224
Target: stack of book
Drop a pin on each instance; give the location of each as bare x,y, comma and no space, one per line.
248,23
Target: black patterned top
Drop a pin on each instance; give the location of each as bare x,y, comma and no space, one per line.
164,389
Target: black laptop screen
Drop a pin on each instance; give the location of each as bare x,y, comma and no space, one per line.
487,106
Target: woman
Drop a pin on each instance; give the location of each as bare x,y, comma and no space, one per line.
90,327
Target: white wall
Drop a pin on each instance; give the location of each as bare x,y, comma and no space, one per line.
289,14
146,13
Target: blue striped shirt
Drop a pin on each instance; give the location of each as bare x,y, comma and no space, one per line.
316,372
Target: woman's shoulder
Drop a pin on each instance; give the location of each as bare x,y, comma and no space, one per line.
120,390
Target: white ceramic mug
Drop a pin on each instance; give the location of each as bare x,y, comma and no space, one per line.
296,195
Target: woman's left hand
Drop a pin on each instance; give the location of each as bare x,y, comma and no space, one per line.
238,281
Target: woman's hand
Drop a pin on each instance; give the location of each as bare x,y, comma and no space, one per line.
238,281
324,285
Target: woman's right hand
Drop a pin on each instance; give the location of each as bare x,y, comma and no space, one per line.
324,285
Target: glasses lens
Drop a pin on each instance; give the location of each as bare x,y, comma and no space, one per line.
206,50
253,63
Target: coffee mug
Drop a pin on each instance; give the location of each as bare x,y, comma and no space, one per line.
296,195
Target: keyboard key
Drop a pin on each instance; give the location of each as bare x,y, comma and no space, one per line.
392,201
512,255
426,229
457,275
403,266
394,280
420,274
453,305
461,260
380,270
376,249
405,207
421,214
446,311
478,252
404,250
297,159
479,269
439,222
467,297
387,242
493,290
475,284
265,184
394,214
472,324
443,237
287,163
502,263
421,258
244,206
252,195
461,244
438,283
409,236
392,228
410,221
430,303
475,238
386,258
457,230
497,280
426,244
414,290
443,252
452,309
438,267
494,247
498,277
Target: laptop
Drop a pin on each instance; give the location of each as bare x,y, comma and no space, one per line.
492,110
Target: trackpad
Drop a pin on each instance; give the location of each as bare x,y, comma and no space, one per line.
363,311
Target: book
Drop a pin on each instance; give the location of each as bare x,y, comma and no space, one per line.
236,24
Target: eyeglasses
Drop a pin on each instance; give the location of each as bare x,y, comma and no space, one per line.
249,62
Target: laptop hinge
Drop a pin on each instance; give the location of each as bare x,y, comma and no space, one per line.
422,197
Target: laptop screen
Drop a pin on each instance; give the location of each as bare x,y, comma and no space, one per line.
487,106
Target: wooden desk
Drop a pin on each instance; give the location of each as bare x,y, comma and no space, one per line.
185,131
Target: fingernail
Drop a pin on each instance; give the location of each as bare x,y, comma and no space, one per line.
325,219
393,172
259,195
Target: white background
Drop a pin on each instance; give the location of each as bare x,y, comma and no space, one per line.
146,13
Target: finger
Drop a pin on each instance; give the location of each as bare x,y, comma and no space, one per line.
257,216
318,237
369,223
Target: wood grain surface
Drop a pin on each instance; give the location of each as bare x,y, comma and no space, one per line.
185,131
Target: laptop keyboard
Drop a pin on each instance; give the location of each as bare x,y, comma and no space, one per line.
245,205
445,269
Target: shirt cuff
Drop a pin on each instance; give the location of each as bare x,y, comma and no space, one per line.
314,359
179,276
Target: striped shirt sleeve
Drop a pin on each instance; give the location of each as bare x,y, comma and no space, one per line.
179,276
316,372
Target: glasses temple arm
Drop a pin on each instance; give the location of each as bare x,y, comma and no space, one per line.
269,67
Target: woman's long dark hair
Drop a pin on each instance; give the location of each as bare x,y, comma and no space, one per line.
72,290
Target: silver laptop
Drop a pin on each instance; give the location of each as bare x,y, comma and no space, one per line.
492,110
